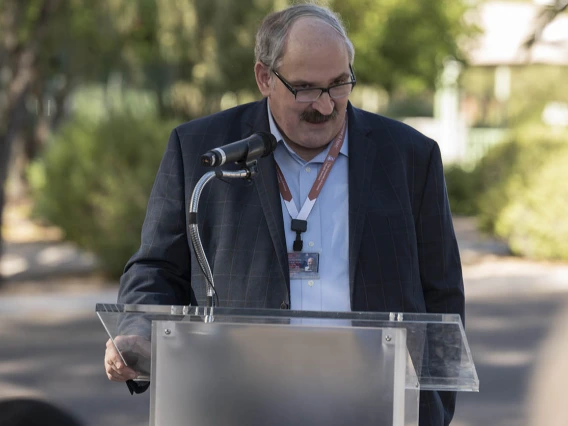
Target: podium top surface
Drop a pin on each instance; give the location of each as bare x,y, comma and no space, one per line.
437,345
177,310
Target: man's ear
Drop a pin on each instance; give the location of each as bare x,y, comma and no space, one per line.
263,80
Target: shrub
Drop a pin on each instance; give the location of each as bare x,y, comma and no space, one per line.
535,223
462,189
94,181
505,173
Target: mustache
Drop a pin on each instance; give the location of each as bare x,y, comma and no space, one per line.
316,117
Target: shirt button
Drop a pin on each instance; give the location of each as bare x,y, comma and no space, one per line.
308,170
311,244
310,283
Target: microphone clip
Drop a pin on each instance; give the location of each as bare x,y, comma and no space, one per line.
249,170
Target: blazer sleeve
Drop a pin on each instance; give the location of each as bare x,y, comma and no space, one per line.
438,253
160,271
440,272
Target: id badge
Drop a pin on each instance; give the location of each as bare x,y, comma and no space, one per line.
303,266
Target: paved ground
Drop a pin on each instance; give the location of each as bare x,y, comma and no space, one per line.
52,344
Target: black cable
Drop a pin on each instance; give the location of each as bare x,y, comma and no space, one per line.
206,276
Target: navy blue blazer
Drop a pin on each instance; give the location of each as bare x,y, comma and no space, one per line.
403,254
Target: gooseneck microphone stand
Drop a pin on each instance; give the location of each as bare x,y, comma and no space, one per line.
249,171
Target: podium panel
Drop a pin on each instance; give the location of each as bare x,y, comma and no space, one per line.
271,374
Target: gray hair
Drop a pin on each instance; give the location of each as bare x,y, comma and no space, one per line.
272,35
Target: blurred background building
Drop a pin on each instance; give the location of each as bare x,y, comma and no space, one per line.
514,76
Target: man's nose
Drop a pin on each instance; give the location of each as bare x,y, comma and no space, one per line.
324,104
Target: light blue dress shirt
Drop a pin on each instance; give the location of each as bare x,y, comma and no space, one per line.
328,226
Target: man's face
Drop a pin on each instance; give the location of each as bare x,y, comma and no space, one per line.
315,56
310,262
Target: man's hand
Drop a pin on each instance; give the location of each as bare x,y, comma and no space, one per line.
134,348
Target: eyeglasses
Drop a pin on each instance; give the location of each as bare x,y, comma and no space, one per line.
336,91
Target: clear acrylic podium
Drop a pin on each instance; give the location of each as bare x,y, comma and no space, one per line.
223,366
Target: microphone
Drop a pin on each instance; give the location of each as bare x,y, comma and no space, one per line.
255,146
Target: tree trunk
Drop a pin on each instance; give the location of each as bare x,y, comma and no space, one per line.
21,60
5,152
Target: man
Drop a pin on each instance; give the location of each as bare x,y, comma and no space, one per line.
311,265
381,225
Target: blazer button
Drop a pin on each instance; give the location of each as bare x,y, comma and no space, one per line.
284,305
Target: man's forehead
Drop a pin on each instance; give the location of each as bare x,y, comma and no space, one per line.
306,36
314,47
312,27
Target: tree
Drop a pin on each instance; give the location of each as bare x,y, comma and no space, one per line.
47,47
187,52
194,56
22,30
402,45
547,14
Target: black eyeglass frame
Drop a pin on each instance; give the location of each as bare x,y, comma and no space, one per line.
322,90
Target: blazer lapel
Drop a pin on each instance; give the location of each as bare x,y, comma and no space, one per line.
362,158
266,184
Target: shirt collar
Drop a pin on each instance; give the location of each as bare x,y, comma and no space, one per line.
276,133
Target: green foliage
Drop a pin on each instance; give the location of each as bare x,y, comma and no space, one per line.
506,171
193,52
462,188
94,182
403,44
535,222
533,87
519,193
70,38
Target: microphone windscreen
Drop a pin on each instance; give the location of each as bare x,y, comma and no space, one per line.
269,142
